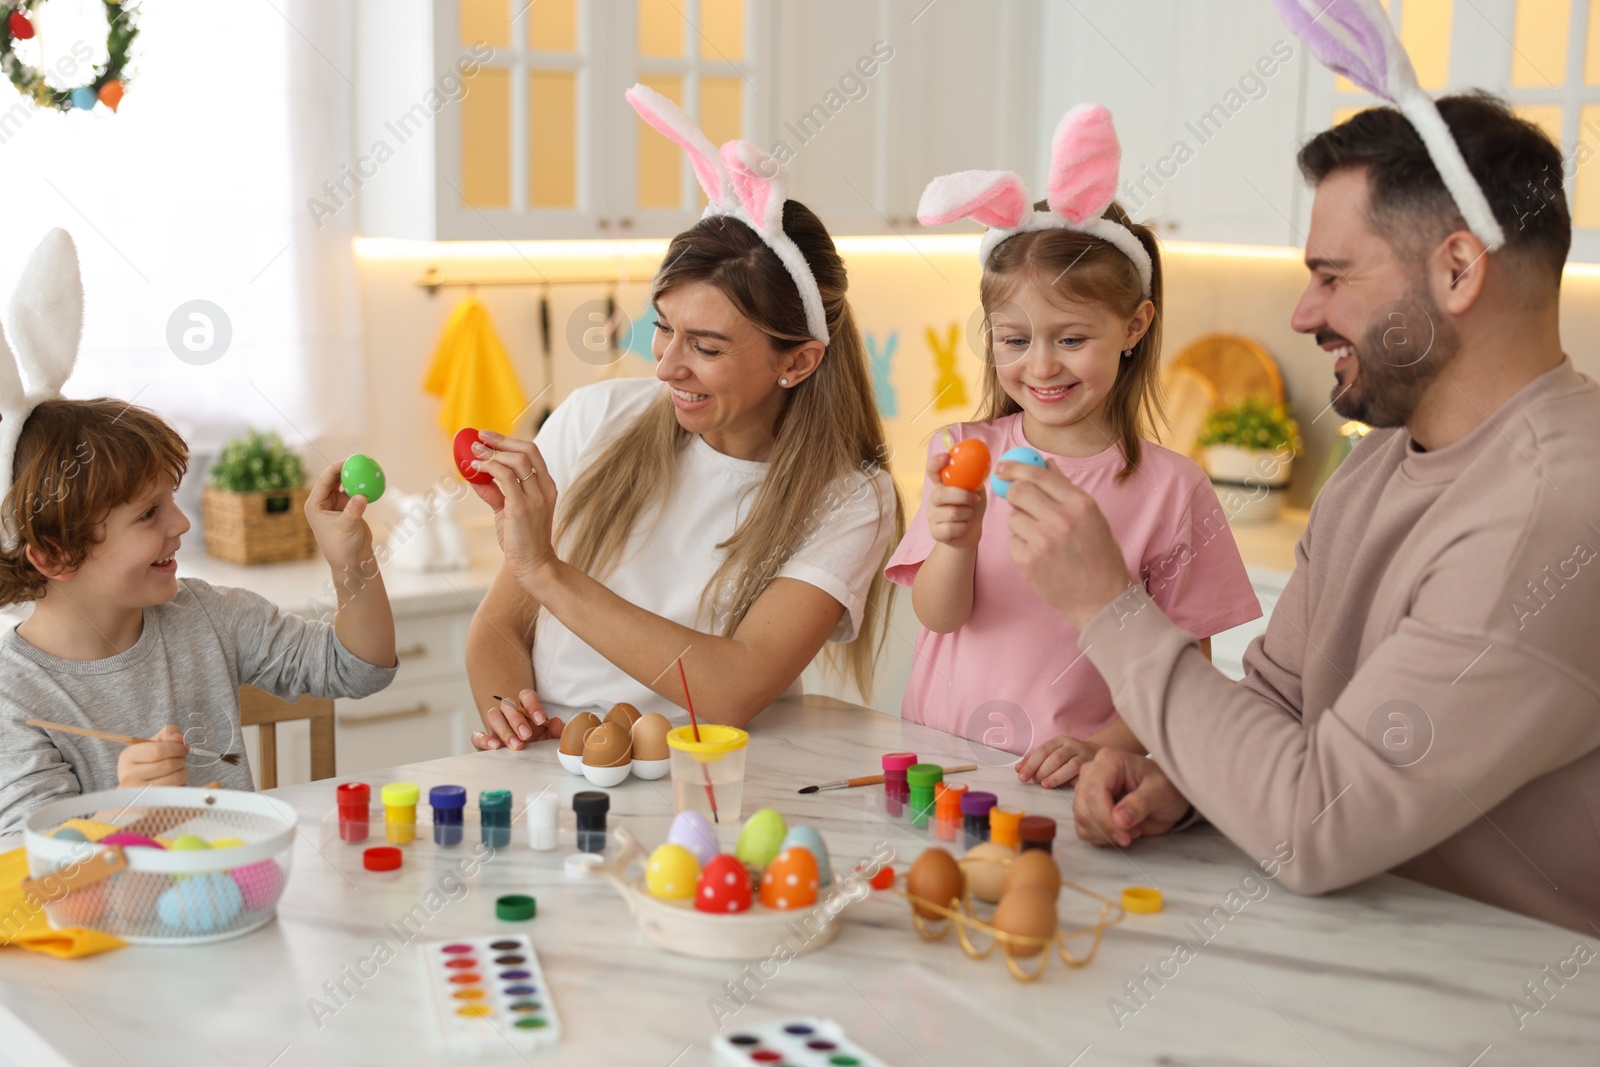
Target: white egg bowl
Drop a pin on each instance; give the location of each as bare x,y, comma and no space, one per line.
651,769
570,763
606,777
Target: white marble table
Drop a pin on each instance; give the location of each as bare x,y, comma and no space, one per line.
1388,972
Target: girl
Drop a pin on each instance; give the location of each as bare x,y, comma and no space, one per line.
1071,294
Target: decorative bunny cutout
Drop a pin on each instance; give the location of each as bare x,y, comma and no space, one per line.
742,181
46,319
1355,38
882,363
1084,159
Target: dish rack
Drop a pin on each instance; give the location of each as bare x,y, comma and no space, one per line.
162,896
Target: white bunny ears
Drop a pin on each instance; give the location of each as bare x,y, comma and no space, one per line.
1354,38
46,324
1084,157
743,182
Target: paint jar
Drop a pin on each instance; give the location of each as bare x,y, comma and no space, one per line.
591,806
355,817
921,778
975,816
400,811
494,811
448,802
1005,826
1037,831
947,810
896,793
540,816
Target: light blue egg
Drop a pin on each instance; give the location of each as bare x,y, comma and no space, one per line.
807,838
69,833
83,98
1013,455
691,830
202,904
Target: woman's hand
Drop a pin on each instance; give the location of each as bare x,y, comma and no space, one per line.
508,726
955,515
1056,762
524,501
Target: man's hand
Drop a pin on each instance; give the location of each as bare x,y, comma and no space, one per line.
1062,542
512,727
159,761
1122,797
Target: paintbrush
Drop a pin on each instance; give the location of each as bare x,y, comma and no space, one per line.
873,779
230,758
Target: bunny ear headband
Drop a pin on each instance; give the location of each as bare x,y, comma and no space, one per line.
743,182
1354,38
1084,157
46,325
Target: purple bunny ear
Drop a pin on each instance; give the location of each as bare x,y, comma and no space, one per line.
1353,38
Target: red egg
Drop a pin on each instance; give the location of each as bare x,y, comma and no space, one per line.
462,447
790,880
968,466
723,887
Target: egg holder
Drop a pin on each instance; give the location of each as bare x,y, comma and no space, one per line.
131,892
608,777
965,921
677,926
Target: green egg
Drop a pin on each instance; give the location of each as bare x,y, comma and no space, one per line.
760,839
362,476
189,842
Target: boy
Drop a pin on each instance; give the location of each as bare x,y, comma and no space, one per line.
117,641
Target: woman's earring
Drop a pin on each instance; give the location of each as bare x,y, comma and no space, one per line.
783,381
1127,354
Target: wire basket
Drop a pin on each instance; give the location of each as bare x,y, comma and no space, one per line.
168,895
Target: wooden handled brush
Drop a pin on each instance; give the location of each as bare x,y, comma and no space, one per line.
230,758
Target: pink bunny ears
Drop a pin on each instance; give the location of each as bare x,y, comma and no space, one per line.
1354,38
743,182
1084,157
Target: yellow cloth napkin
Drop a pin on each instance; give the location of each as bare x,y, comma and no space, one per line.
23,922
473,375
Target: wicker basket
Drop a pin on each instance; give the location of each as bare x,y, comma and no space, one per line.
264,527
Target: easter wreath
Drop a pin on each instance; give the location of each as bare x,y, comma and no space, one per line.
107,85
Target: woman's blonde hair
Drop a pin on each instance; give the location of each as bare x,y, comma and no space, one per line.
1084,267
830,443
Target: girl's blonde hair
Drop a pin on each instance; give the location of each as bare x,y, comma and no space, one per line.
830,443
1083,267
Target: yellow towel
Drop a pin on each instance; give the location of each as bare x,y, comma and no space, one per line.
473,375
23,922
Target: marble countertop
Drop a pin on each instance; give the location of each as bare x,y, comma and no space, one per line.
1386,972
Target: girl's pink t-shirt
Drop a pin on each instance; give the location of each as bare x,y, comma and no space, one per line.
1012,676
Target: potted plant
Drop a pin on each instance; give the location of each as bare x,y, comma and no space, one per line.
254,507
1248,448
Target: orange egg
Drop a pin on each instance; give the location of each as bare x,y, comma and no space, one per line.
576,730
1034,867
1026,912
790,880
968,466
935,878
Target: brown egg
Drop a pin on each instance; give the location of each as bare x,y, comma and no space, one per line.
936,878
576,729
608,745
1035,867
1026,912
985,866
626,714
650,737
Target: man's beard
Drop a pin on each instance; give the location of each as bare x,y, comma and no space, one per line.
1407,346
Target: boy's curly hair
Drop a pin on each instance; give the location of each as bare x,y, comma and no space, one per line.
76,460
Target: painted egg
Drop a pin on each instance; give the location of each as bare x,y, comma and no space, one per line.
985,867
461,447
935,878
724,886
259,883
202,904
362,476
626,714
134,895
760,839
790,880
227,842
127,840
693,831
969,463
1034,867
69,833
650,737
189,843
1026,912
806,837
576,731
1013,455
672,873
81,907
608,745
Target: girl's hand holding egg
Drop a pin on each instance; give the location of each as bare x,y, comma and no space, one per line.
955,512
336,517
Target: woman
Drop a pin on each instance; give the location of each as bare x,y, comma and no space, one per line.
734,513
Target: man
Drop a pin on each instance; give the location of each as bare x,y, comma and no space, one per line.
1426,698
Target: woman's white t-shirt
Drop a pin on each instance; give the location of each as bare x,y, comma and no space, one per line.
673,553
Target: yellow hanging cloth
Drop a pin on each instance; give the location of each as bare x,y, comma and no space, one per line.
473,375
23,922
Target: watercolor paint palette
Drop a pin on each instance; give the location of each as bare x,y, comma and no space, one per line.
806,1042
490,992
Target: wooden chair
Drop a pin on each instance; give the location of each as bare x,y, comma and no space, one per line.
259,708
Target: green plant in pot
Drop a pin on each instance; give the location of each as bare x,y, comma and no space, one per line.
254,505
1249,445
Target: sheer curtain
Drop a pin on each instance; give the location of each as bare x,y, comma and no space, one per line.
235,114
